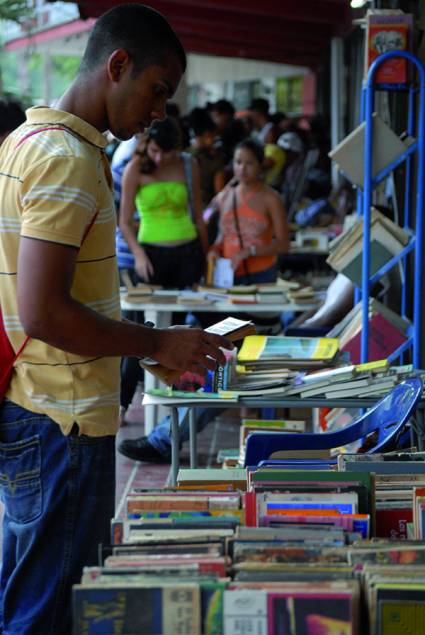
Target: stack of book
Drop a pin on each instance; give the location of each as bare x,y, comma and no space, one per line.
265,293
265,353
356,380
386,240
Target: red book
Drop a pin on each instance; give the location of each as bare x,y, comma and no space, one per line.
384,339
250,506
392,523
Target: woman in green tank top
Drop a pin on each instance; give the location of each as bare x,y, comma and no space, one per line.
171,243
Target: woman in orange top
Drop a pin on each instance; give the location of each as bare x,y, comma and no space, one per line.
253,225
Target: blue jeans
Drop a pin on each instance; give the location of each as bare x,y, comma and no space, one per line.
160,435
58,492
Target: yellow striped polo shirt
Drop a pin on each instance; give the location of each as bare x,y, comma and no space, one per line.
51,186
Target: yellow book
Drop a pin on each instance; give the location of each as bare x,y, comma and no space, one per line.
266,348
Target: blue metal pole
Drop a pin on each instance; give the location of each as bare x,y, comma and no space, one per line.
407,193
357,291
367,201
420,191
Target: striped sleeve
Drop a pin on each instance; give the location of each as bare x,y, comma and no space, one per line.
59,200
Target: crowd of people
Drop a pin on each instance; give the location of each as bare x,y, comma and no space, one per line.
213,183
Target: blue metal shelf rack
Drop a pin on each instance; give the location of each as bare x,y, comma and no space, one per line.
415,128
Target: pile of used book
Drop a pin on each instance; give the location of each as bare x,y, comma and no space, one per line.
280,366
386,240
263,550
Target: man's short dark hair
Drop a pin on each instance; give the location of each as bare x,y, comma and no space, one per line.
260,104
223,107
143,32
200,121
165,133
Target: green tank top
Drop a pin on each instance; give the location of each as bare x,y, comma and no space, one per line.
164,212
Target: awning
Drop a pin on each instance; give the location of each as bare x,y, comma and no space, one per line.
284,31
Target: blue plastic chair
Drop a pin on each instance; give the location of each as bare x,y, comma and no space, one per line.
387,419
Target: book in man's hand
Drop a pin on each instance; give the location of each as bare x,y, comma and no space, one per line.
231,328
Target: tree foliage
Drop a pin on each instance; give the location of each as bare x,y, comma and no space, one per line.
15,10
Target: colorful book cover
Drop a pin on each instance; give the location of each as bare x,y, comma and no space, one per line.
388,37
299,613
392,523
99,609
268,347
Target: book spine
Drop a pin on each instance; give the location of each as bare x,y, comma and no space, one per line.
250,504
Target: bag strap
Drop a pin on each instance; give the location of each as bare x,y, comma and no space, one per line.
88,228
238,229
188,175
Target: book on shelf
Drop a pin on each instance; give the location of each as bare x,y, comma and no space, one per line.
387,147
231,328
387,331
386,240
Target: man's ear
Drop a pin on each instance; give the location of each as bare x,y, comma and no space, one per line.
118,63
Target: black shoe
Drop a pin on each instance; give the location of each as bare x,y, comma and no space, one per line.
141,450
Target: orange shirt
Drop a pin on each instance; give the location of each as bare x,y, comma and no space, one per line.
255,228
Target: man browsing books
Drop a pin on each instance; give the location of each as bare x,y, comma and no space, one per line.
59,286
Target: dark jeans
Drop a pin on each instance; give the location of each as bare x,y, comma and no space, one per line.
176,267
59,495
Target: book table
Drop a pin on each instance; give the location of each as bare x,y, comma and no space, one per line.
159,313
418,435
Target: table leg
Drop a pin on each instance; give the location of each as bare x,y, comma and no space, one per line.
420,428
161,319
175,451
193,439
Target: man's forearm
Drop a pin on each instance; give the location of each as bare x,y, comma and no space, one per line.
77,329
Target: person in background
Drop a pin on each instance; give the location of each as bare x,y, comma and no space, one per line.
230,130
211,164
291,143
60,289
169,248
316,210
131,372
253,227
264,129
12,114
264,230
172,110
210,160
